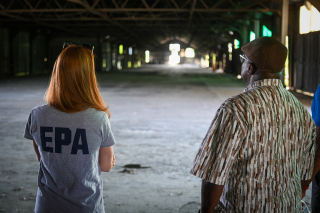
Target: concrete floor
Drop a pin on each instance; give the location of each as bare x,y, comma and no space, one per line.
160,115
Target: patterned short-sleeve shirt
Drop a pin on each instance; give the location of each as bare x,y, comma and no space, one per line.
260,145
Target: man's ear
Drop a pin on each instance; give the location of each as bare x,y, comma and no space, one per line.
252,69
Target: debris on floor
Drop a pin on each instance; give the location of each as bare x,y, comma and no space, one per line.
130,171
136,166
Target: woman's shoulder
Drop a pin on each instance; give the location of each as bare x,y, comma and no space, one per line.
95,114
88,114
40,108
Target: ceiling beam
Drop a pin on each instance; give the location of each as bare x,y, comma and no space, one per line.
27,3
155,3
40,23
263,5
115,10
175,4
115,3
10,4
185,4
95,4
147,6
315,3
233,3
217,4
192,9
254,4
85,4
204,4
126,19
90,26
55,1
87,7
124,3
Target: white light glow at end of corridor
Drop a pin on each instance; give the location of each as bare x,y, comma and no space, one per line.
174,58
147,59
190,53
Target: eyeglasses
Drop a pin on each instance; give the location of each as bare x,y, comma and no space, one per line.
243,58
69,43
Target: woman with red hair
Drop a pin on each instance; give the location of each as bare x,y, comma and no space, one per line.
72,136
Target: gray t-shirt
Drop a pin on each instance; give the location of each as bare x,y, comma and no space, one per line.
69,176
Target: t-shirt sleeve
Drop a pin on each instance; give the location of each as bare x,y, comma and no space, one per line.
107,135
315,107
29,129
218,151
308,148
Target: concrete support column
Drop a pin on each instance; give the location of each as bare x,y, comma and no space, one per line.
284,22
31,38
244,32
114,57
257,24
12,34
210,59
284,27
108,56
49,66
125,57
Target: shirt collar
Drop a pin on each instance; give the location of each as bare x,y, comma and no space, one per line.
247,88
265,82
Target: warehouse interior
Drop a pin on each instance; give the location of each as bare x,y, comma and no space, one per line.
164,67
129,34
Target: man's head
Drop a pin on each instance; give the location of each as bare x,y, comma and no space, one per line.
264,57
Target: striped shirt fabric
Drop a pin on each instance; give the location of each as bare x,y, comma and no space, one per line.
260,146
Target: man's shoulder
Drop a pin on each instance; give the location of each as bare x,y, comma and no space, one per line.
233,105
250,97
261,92
235,100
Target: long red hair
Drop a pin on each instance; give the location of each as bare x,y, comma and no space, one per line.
73,85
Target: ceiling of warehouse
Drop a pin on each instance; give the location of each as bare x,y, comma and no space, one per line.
146,23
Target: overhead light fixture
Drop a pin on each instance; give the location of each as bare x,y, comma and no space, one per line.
147,56
120,49
190,52
174,58
236,44
175,47
309,19
266,31
252,36
230,51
